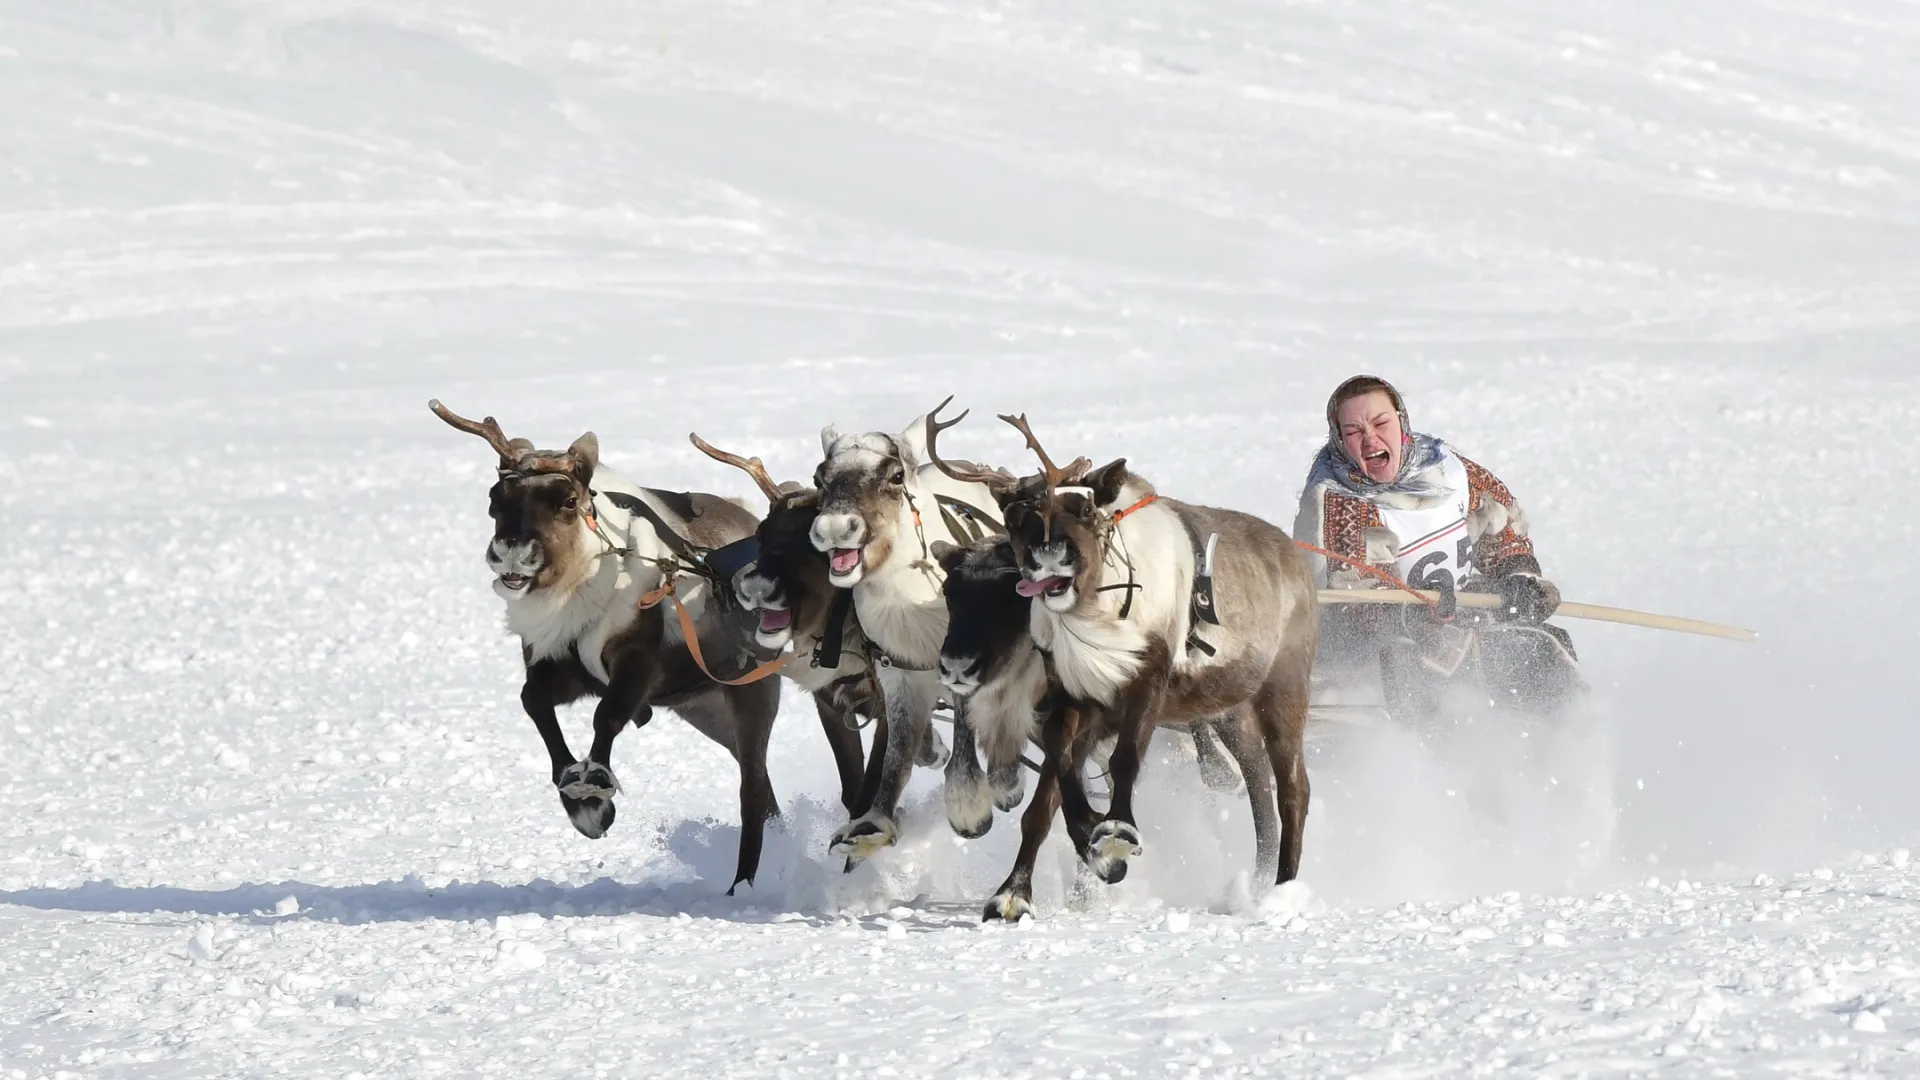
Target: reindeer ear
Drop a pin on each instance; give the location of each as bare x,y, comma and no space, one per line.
913,442
1107,480
947,555
1015,512
585,452
828,436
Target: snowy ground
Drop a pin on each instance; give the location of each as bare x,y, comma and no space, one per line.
268,801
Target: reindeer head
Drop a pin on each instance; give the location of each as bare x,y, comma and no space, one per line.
986,618
540,505
866,483
785,586
1056,520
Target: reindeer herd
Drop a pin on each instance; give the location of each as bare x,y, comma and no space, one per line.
1074,609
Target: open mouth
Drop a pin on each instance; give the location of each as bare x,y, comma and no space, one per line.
516,582
1378,457
1048,586
843,560
773,622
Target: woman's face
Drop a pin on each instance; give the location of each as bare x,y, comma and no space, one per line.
1370,432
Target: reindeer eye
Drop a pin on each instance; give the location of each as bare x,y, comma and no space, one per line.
573,502
899,478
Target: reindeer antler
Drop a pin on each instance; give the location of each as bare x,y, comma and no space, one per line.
1053,473
753,467
966,475
488,429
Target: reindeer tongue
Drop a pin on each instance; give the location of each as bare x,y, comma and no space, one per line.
775,621
845,559
1030,589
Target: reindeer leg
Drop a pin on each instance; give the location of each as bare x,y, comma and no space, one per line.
547,687
843,738
1280,710
1078,810
968,797
876,768
1244,742
870,784
1116,839
933,750
909,698
587,786
1015,897
754,707
1009,781
1216,767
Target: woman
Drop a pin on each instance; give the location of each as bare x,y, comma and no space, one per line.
1408,504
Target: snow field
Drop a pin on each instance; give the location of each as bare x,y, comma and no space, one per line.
268,803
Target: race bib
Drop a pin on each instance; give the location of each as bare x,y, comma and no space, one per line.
1436,547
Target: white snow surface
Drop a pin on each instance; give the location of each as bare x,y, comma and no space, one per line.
269,803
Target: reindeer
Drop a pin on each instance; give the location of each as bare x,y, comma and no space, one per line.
880,510
1153,648
784,587
583,557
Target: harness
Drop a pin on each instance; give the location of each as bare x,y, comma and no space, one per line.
962,519
685,558
1200,604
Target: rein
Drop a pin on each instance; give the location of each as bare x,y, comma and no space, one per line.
667,591
1108,531
686,557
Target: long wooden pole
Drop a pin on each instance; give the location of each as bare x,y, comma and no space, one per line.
1571,610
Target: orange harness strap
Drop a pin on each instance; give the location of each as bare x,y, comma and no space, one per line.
688,631
1141,505
1371,571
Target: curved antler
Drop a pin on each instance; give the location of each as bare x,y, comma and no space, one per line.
488,429
1054,475
753,467
962,473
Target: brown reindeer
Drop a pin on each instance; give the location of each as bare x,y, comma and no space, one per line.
582,557
881,508
1111,568
998,677
784,588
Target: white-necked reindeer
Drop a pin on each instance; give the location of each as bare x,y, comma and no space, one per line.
784,589
881,509
998,678
1112,569
578,555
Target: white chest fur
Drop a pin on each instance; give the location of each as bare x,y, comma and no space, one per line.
604,601
1095,656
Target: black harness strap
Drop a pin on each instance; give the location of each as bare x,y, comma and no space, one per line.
826,651
978,522
694,557
1200,607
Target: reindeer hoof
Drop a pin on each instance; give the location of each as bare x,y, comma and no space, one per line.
1009,787
969,805
1007,907
933,751
586,794
859,839
592,817
1109,847
587,780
